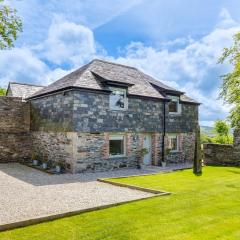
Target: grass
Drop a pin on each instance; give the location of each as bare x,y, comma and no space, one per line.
201,208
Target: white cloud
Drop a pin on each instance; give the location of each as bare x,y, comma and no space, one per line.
37,15
192,68
20,64
226,19
67,42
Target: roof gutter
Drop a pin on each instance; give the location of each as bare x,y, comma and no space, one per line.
66,89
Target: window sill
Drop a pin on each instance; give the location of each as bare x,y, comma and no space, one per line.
174,114
175,151
118,110
117,156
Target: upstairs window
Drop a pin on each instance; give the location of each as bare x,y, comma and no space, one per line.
174,106
173,143
116,146
118,99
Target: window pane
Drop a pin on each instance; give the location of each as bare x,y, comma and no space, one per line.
116,147
174,143
117,99
173,106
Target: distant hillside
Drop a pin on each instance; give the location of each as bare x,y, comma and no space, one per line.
207,131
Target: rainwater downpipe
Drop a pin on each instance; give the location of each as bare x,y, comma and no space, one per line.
164,131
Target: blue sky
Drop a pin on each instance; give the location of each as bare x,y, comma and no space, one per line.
176,41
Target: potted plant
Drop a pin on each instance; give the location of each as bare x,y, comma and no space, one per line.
59,166
34,159
142,153
167,151
45,162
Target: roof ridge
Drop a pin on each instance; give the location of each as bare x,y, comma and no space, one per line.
114,63
28,84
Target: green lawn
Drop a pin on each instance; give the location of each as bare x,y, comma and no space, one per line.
201,208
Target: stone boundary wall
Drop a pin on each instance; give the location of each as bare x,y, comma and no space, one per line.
223,154
218,154
14,129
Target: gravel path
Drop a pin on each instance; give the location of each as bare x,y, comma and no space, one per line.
28,193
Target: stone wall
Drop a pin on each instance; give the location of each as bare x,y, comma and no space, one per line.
52,113
186,149
14,130
91,113
56,147
218,154
14,115
223,154
187,121
86,111
93,152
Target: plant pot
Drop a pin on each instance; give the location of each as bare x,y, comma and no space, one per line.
35,162
58,169
164,164
44,165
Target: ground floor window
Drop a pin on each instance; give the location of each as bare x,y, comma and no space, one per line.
173,142
116,145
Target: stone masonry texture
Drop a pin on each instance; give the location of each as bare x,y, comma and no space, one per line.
73,127
85,111
14,130
223,154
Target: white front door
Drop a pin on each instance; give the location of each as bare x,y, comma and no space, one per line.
147,142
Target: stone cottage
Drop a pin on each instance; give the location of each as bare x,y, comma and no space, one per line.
104,115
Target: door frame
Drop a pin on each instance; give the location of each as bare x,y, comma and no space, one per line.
149,135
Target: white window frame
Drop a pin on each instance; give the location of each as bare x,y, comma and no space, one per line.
117,137
125,99
179,106
169,139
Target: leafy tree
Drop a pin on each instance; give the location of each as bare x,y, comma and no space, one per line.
10,26
222,134
223,139
2,91
230,91
221,128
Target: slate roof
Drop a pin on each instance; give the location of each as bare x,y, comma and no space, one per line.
22,90
93,75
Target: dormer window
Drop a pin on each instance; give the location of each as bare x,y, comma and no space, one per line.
174,106
118,99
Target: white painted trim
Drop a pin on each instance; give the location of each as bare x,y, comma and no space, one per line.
125,99
117,137
179,105
174,135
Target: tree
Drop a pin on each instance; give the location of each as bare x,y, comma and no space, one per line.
10,26
221,134
2,91
230,90
222,129
197,163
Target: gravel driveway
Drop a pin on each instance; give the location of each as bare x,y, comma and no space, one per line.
28,193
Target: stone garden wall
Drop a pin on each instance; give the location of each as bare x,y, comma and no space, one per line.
223,154
54,147
14,129
217,154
